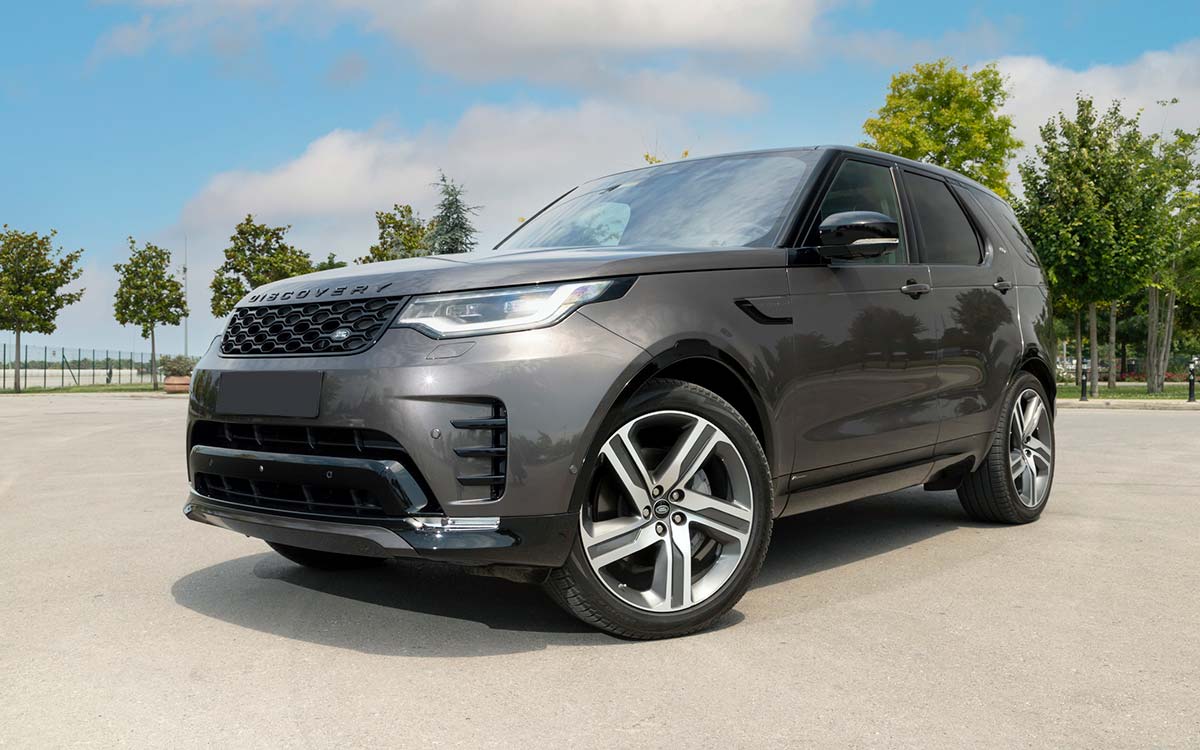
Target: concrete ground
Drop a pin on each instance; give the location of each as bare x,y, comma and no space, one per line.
888,622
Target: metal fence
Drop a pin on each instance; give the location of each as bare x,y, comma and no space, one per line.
52,367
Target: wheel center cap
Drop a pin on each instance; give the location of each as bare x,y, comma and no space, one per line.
661,509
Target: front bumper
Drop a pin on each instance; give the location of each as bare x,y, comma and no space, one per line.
535,541
429,405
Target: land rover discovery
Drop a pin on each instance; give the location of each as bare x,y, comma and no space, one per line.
621,398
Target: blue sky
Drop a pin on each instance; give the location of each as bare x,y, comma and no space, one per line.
170,118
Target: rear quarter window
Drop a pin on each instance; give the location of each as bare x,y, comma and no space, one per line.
1005,219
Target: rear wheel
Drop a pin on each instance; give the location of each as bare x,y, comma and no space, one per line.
677,518
1012,485
313,558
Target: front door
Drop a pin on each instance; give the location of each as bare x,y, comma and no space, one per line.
867,339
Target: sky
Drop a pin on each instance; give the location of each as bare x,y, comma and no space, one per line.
170,120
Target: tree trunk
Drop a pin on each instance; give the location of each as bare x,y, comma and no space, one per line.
1079,347
1151,358
1093,351
17,364
1164,347
1112,345
153,362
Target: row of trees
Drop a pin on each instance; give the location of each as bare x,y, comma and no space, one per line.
34,274
1114,212
259,254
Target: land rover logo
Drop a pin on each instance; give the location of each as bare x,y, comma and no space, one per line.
340,334
662,508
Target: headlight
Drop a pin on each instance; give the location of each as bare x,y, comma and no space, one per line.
499,310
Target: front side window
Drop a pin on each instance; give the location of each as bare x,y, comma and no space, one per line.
737,201
861,186
947,236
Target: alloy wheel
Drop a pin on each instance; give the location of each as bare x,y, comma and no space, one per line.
670,513
1030,457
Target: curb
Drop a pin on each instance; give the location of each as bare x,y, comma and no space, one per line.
1147,404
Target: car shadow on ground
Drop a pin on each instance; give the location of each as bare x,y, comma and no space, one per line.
413,608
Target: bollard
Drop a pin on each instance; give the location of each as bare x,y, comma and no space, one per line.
1084,385
1192,382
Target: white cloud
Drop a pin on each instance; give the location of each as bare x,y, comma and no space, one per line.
669,54
1042,89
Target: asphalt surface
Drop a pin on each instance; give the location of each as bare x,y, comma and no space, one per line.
888,622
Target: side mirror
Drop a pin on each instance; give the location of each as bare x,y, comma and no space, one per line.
852,235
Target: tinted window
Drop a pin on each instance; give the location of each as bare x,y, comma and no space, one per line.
946,234
860,186
1006,221
726,202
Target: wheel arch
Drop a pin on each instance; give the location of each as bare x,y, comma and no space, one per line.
1035,364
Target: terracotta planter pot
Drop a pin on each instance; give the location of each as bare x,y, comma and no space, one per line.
177,383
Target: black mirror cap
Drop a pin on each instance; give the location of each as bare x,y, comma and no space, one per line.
858,234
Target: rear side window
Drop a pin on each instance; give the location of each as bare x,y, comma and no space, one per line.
1005,220
947,236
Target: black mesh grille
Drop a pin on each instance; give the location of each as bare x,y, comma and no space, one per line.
344,442
331,327
329,501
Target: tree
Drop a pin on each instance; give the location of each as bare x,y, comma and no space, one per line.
331,262
1092,206
943,115
656,159
402,234
1178,272
32,276
451,231
148,295
257,255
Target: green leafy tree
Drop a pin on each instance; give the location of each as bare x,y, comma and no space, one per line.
944,115
1093,206
452,231
331,262
32,276
257,254
1177,277
148,295
402,234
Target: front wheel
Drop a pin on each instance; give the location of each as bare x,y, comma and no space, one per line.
677,518
1012,484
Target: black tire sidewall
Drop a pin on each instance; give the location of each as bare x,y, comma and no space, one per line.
685,397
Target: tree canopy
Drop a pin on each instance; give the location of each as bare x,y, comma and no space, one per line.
32,277
148,294
402,234
944,115
1093,204
452,230
257,254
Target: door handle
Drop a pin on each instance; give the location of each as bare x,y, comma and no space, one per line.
915,290
1002,286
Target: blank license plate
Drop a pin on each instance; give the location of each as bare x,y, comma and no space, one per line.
270,394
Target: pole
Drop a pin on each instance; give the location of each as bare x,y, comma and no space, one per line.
1083,396
185,296
4,367
1192,382
45,363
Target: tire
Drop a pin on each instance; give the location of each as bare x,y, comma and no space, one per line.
319,560
704,535
1001,489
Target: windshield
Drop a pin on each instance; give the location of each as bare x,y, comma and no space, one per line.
735,201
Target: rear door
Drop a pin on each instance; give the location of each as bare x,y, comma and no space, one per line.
866,351
972,277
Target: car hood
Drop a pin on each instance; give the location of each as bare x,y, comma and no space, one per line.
480,270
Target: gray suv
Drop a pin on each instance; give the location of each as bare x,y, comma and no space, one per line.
621,398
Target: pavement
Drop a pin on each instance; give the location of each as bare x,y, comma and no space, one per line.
890,622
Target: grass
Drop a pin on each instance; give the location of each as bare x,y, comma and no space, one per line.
1171,392
97,388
